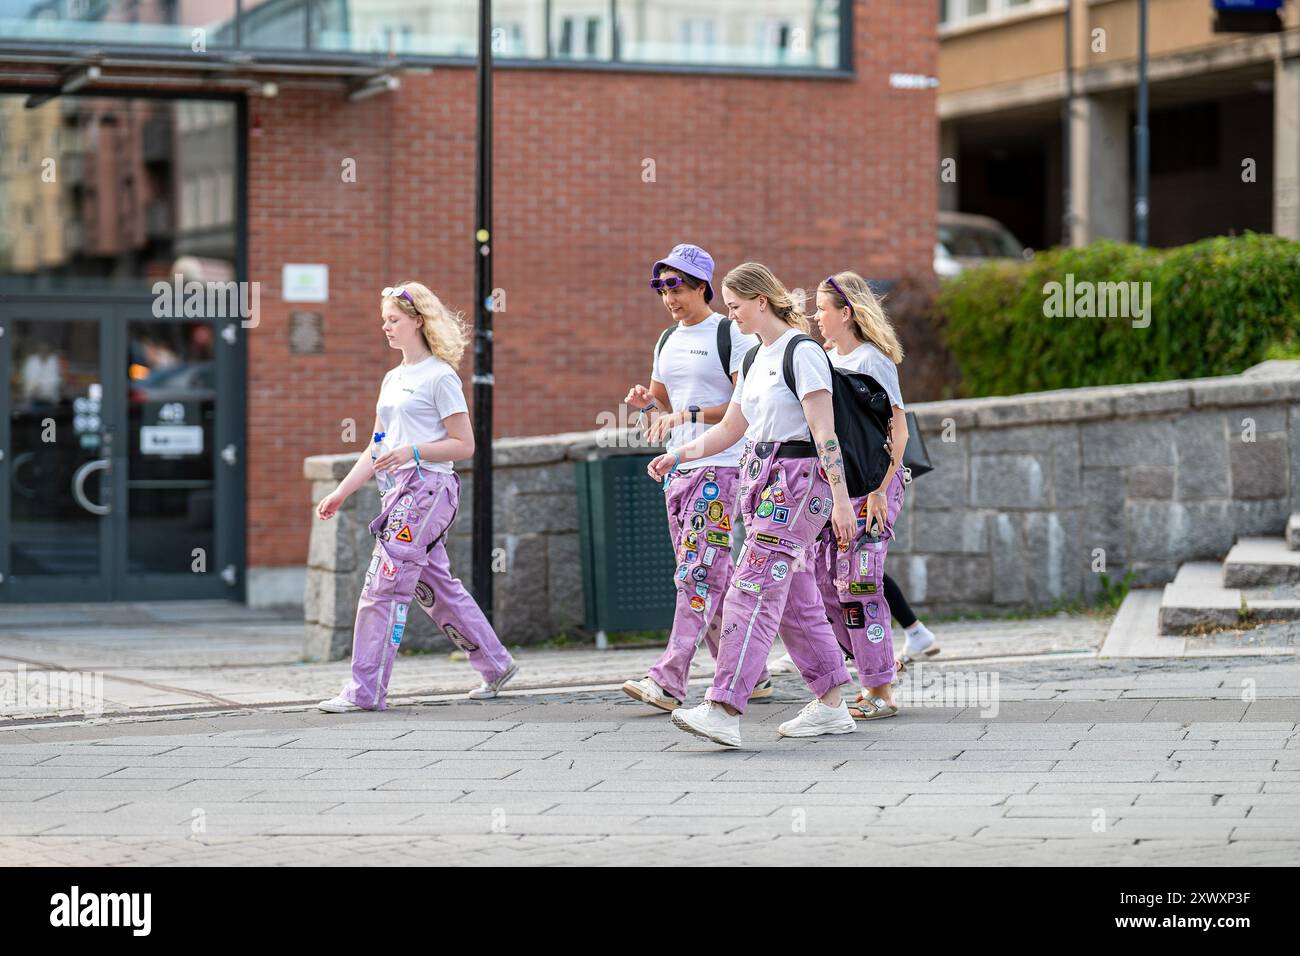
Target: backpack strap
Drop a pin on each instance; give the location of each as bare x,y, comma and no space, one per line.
724,346
788,360
664,338
748,361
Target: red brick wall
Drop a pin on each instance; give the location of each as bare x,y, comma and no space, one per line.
807,175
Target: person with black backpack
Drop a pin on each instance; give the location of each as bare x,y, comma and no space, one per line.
794,481
691,380
861,339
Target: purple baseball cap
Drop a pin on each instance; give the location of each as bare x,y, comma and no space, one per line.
692,261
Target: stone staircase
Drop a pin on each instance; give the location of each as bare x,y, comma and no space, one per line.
1258,581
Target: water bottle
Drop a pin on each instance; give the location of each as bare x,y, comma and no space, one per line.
383,479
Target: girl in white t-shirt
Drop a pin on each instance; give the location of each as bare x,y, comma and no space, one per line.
860,338
792,485
425,422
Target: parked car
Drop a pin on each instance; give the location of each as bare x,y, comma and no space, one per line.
967,240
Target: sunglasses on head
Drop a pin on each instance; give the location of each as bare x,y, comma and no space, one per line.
671,282
399,292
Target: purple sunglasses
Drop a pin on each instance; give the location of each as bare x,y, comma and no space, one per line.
399,292
672,282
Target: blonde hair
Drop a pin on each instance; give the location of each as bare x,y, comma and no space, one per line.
749,280
870,322
444,330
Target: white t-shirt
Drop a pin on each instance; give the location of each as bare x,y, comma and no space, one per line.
870,360
771,409
691,370
413,401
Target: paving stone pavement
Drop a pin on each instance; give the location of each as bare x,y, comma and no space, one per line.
1081,762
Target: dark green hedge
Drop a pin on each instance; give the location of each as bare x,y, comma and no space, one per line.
1216,307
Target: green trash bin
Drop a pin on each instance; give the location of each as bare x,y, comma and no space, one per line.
627,554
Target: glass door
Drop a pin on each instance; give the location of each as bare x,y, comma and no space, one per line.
116,458
57,441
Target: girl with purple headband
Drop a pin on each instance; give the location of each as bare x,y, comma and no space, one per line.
424,420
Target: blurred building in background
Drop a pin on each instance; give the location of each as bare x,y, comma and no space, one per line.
1224,119
320,150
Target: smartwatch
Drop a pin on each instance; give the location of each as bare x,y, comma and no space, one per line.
695,413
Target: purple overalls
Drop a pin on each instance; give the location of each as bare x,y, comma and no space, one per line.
410,561
786,503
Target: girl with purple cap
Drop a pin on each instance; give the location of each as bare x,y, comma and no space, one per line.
691,379
792,485
424,422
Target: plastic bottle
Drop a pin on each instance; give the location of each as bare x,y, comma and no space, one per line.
383,479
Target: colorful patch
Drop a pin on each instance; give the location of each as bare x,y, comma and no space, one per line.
459,639
864,563
716,511
691,538
862,587
778,496
691,556
757,560
851,614
682,572
720,538
710,490
709,555
406,501
374,564
749,586
697,603
424,594
710,475
388,569
765,509
700,505
863,512
404,534
700,574
781,515
702,590
779,570
725,523
767,538
875,633
873,610
697,522
755,467
767,493
815,506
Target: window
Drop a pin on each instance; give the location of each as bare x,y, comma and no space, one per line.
796,34
954,13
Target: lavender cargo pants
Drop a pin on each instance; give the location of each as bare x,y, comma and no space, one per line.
852,584
410,561
701,513
786,503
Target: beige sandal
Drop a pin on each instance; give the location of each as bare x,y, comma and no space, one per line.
872,708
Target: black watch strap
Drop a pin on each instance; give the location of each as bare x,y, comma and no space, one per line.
695,413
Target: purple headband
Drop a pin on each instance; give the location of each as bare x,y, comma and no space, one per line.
836,286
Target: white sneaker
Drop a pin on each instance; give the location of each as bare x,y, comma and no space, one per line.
920,643
648,691
782,665
486,690
712,722
817,719
338,705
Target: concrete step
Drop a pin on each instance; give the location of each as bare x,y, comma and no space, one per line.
1259,562
1185,607
1293,533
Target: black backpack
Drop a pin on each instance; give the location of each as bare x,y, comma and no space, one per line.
862,415
724,344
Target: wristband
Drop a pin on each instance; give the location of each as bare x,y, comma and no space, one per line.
416,449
